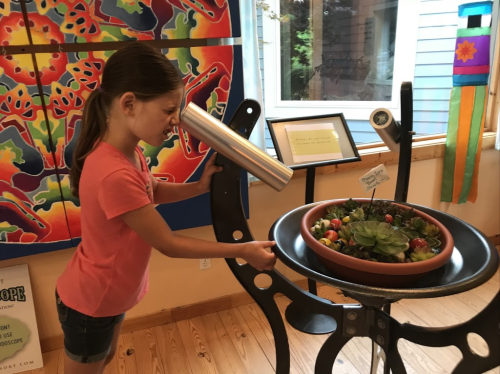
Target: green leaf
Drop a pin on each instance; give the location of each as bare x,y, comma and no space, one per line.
357,215
350,205
415,257
411,234
388,249
336,211
433,242
363,240
431,230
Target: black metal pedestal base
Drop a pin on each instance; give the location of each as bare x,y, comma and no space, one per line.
309,322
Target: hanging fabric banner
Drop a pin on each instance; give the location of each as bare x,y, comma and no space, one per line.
471,67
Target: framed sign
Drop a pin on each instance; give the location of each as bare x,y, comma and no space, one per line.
306,142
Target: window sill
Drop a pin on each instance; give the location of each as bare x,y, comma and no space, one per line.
372,155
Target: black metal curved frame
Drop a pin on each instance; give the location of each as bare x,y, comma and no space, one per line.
353,320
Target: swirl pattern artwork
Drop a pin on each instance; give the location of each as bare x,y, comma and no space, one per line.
41,105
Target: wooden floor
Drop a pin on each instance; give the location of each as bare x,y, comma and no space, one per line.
240,341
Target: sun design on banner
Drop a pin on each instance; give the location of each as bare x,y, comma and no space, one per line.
465,51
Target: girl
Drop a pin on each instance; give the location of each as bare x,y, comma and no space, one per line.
139,99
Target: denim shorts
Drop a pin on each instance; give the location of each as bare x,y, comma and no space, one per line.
86,339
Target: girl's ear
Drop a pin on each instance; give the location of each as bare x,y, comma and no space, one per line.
128,103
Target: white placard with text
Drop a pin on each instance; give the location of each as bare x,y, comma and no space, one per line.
374,178
19,342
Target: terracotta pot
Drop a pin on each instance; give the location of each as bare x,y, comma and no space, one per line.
374,273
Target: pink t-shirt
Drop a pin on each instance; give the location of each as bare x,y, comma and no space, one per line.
108,273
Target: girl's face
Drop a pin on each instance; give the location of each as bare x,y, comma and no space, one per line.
153,121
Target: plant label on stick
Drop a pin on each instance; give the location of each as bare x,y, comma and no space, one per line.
374,178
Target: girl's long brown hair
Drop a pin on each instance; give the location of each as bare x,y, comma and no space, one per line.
135,68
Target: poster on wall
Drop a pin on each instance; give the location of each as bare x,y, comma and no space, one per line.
19,342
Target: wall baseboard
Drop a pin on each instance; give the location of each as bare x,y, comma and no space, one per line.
188,311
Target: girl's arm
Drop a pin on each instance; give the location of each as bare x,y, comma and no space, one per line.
151,227
165,192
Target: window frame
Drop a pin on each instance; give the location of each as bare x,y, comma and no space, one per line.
405,55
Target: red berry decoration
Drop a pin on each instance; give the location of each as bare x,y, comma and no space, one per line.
331,235
388,218
418,242
335,224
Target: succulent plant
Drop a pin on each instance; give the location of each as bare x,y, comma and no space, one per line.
319,228
357,215
335,211
350,205
433,242
431,230
411,234
336,246
417,224
384,238
345,232
422,254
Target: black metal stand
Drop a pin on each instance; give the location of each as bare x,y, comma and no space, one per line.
352,320
405,143
298,317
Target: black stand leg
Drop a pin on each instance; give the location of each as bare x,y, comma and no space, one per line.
310,178
296,315
329,352
405,144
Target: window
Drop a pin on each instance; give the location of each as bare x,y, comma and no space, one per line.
346,56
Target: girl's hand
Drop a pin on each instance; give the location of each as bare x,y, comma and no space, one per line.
256,255
206,177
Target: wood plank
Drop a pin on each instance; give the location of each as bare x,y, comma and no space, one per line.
446,357
493,371
225,353
171,349
123,363
147,355
305,347
250,353
358,351
257,322
434,314
199,355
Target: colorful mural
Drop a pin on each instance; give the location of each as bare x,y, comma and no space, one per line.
74,76
26,143
39,124
31,207
84,21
